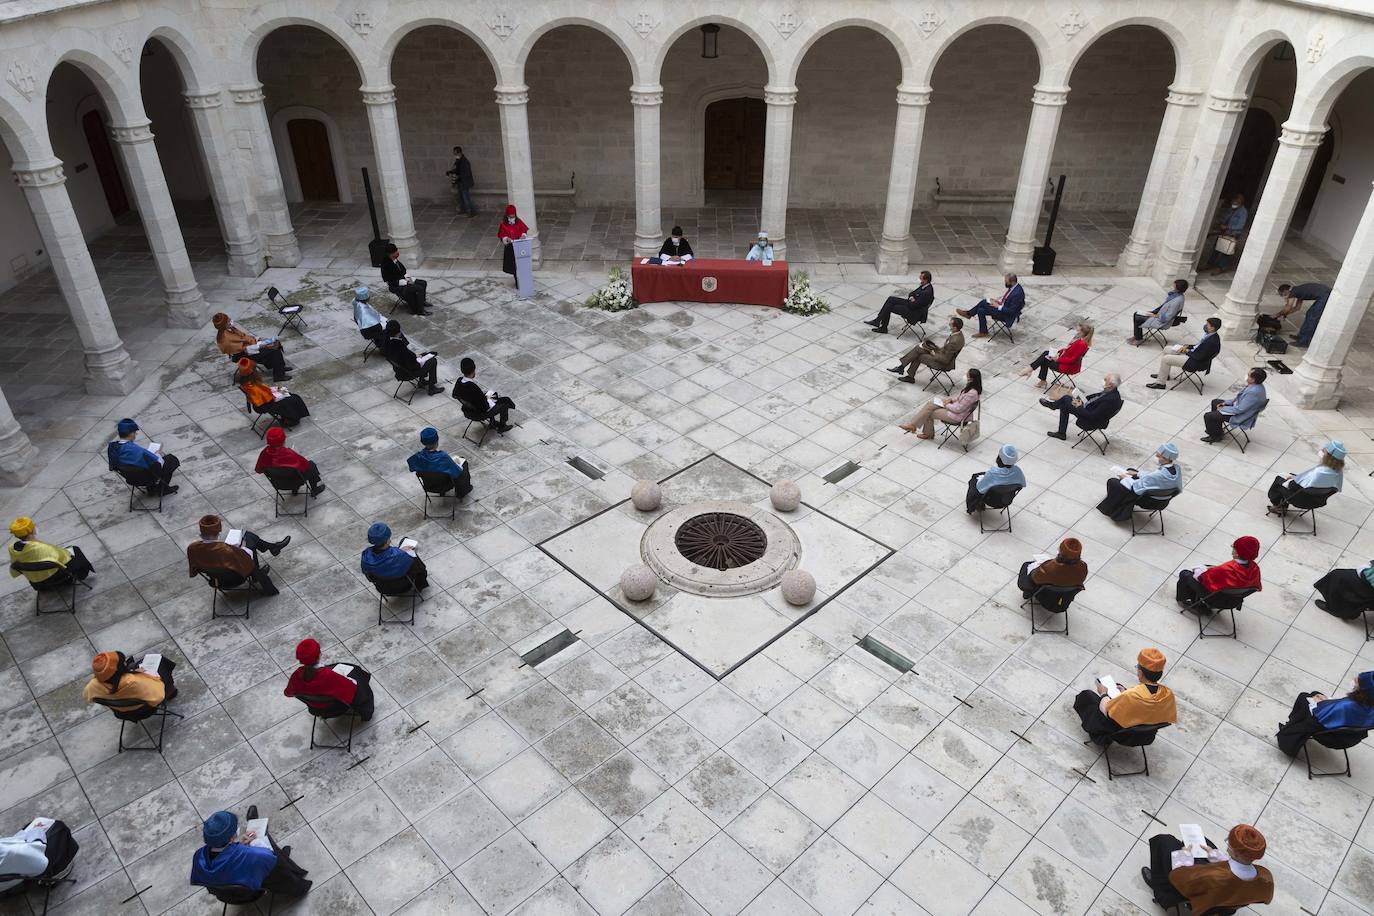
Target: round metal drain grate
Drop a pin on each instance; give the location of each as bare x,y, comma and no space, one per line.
721,540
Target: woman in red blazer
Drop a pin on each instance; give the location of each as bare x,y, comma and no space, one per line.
1068,360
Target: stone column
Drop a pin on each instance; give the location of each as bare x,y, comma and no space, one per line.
1319,376
185,305
647,102
109,370
274,217
777,165
901,178
18,458
226,187
1197,195
513,104
1048,106
1297,148
1135,257
391,171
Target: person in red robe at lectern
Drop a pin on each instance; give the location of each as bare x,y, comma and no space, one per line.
277,455
351,689
512,229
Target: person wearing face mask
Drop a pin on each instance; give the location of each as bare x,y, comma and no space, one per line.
1230,225
761,250
954,410
1162,318
1191,357
512,229
1007,309
1124,489
914,308
941,357
1328,472
461,176
676,249
1314,712
407,289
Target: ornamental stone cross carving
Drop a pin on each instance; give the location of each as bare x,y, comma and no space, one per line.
644,23
20,76
929,22
501,24
1316,47
787,23
1072,23
119,43
361,22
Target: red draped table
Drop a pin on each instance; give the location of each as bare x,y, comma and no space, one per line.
711,280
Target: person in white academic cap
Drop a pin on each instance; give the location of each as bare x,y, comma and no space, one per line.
1004,473
761,250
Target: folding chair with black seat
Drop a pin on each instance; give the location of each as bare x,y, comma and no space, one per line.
137,711
998,498
1000,326
406,377
1157,334
1307,501
477,415
261,412
59,580
940,377
288,310
228,583
141,478
1337,739
1151,502
48,885
438,485
916,326
1213,603
952,428
1193,376
317,714
1235,432
1063,378
370,349
238,895
286,483
1054,599
1141,736
398,587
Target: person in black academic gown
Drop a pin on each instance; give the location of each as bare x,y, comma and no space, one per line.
396,349
408,290
675,246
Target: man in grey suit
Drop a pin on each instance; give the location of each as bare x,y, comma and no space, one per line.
941,357
1241,410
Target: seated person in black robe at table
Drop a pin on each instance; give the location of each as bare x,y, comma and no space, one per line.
408,290
914,308
1345,593
676,248
396,349
492,405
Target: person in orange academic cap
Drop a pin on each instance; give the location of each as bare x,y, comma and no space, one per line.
1232,882
1241,571
236,343
289,409
116,676
1147,703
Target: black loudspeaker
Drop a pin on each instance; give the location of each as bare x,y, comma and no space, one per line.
376,250
1042,261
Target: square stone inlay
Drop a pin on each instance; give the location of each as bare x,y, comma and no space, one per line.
717,633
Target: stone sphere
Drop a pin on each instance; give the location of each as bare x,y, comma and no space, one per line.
646,495
786,496
638,583
798,586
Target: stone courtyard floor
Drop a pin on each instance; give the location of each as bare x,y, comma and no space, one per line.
617,776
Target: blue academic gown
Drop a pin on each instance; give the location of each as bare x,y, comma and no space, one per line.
437,461
1344,712
1320,477
237,863
391,563
1000,477
123,452
1166,477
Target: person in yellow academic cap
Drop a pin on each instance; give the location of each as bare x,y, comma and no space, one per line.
1147,703
26,549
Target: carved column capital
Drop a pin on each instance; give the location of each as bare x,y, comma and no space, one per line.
211,98
913,95
43,174
1056,96
1228,104
780,95
1302,137
247,94
133,134
512,95
646,95
379,95
1187,98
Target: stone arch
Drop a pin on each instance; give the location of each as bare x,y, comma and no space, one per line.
119,94
1184,64
621,41
901,44
394,39
266,23
1315,97
1241,64
1037,40
189,57
654,68
19,138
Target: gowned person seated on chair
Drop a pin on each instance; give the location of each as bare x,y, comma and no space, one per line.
1315,712
431,459
926,353
1093,412
348,687
479,403
1064,570
43,852
1126,488
252,862
125,453
382,560
1104,713
26,549
1328,473
368,320
1189,357
1346,593
423,368
276,455
1240,411
947,410
211,555
116,676
289,409
914,308
1004,474
1006,309
1241,571
407,289
236,343
1226,884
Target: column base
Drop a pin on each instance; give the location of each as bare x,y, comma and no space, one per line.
1135,258
779,249
1016,256
1318,387
892,256
282,250
411,252
1237,317
110,372
187,308
245,260
18,458
1174,265
647,246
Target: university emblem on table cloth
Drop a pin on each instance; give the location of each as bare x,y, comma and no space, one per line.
708,284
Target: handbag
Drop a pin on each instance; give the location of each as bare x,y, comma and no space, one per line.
1226,244
968,433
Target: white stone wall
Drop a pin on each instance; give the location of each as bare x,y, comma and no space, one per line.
1338,206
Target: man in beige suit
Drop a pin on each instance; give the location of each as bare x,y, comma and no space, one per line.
941,357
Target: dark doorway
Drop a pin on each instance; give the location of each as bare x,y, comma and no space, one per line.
1320,162
102,157
1254,150
314,159
735,130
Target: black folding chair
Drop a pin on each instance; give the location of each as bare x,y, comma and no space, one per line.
227,583
54,584
317,714
238,895
288,310
1235,432
1000,326
1307,502
1193,377
1213,603
141,478
940,377
1152,503
138,712
1000,499
439,486
286,483
405,377
1157,334
474,415
951,428
48,884
1337,739
257,413
1141,736
917,326
1090,433
1054,599
1062,378
397,587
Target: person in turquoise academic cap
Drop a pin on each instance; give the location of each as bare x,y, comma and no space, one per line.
1127,487
124,452
228,859
383,560
1314,712
1329,471
367,318
1003,473
432,459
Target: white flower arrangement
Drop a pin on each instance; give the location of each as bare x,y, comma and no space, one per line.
616,295
802,299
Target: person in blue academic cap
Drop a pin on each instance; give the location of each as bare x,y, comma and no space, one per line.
1314,712
432,459
1004,473
1126,488
229,859
124,452
367,318
1329,472
383,560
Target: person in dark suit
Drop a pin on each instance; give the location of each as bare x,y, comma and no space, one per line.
461,176
1007,309
1193,357
491,405
408,290
914,308
396,349
676,248
1092,412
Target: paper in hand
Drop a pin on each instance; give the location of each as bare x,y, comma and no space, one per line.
1194,843
259,827
1109,684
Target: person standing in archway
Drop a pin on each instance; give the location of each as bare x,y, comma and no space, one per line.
1230,230
512,229
461,176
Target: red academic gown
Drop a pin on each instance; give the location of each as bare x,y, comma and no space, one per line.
1231,574
279,456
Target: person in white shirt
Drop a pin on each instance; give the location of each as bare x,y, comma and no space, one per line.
761,250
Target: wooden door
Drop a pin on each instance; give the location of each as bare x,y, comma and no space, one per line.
314,159
734,131
102,157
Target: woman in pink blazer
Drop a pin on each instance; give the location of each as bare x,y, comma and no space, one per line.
952,410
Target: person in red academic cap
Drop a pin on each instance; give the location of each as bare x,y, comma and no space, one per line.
1241,571
1219,880
277,455
332,689
512,228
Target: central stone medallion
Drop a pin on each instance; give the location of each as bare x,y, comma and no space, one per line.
721,540
720,547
